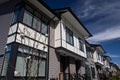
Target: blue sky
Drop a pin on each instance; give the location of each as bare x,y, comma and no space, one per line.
101,18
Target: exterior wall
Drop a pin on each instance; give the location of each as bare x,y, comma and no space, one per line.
6,12
72,65
15,33
82,68
54,57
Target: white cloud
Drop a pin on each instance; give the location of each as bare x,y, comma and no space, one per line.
114,56
93,8
108,34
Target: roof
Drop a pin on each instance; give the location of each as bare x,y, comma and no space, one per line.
40,4
60,11
98,46
107,57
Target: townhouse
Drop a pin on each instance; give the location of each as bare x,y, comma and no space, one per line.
68,60
114,69
37,44
91,70
25,39
44,44
98,59
106,67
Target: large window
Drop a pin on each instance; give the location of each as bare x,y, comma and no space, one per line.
30,62
35,22
81,45
16,13
69,36
5,64
27,18
6,59
30,66
44,28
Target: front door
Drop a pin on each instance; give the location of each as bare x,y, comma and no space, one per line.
64,67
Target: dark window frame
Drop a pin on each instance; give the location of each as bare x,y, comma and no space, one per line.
36,57
81,45
70,35
35,13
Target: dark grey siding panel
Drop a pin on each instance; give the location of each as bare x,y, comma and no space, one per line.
6,11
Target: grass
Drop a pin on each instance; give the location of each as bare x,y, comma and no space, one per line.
114,78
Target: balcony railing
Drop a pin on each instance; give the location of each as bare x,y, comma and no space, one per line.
68,76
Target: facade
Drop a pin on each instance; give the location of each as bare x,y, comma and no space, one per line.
98,59
114,69
106,67
91,70
39,43
70,51
25,39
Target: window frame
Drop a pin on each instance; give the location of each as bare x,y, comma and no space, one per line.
81,45
36,14
70,35
36,57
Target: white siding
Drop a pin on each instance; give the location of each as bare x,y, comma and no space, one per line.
57,36
11,39
95,55
13,29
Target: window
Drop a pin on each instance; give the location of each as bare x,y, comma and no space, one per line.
5,64
69,36
16,14
9,47
30,66
44,28
36,23
81,45
89,54
42,68
99,57
93,72
21,66
30,62
27,18
88,72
